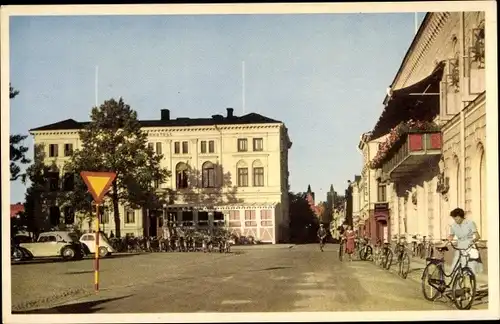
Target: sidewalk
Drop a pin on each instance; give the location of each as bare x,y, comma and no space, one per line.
418,265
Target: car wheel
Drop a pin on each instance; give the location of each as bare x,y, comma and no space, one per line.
17,254
103,251
68,253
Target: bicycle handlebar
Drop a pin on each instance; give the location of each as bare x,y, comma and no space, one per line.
458,249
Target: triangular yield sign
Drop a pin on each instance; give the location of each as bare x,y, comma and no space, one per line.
98,183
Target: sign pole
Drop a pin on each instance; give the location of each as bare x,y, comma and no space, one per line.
98,184
96,274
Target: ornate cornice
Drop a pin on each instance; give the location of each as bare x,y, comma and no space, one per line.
423,41
168,131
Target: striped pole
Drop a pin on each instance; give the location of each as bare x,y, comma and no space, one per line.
96,264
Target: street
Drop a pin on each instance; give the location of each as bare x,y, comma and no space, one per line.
257,279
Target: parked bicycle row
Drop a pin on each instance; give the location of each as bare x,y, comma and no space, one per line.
459,285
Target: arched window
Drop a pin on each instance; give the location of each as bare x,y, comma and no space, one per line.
482,195
208,175
258,173
242,172
181,175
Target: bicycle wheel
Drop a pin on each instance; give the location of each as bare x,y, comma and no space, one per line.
431,279
383,260
369,253
462,291
404,266
388,259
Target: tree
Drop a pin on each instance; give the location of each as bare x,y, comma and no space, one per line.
303,221
39,196
17,150
113,141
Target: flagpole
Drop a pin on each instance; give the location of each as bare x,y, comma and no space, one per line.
416,22
243,86
96,83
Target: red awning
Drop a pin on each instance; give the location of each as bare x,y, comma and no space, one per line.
406,104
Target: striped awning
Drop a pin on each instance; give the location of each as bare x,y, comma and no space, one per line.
208,208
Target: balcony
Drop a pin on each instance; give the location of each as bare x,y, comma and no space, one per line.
416,151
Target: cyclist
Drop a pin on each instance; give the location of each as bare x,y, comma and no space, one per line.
321,236
465,231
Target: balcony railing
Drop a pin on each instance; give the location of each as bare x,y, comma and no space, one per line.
414,151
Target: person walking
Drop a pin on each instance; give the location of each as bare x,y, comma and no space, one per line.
350,237
321,236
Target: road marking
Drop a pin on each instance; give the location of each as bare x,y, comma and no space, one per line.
235,302
227,278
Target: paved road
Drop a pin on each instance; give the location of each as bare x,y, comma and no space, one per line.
274,279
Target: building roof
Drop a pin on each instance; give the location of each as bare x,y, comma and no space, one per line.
411,103
16,209
251,118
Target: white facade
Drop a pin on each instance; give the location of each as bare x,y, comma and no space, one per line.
415,206
255,204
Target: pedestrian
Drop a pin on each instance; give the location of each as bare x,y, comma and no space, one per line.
465,230
321,236
350,237
111,234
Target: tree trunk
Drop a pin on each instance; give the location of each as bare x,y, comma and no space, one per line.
116,210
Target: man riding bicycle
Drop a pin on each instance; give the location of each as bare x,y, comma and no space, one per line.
321,236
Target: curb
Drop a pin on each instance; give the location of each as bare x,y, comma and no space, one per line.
262,247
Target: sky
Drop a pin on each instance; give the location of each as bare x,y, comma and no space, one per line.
323,75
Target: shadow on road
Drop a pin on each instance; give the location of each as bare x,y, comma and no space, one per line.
272,268
77,308
89,257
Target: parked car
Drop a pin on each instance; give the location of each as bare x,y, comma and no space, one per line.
89,246
50,244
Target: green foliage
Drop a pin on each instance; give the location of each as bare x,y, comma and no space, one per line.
114,141
17,150
303,221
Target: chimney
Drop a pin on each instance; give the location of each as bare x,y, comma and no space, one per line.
165,114
230,112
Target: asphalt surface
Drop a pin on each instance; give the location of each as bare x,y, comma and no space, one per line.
258,279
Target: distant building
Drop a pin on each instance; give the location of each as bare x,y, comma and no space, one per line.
15,209
243,160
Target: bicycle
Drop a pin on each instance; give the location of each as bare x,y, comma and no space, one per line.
386,257
456,276
403,260
322,242
341,249
366,251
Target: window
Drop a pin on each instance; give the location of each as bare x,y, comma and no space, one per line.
53,180
177,148
68,181
266,217
258,177
185,148
105,216
68,149
234,215
242,145
151,146
242,177
258,144
381,194
181,175
203,147
49,238
208,175
211,146
130,216
54,215
69,215
158,148
250,220
88,238
53,150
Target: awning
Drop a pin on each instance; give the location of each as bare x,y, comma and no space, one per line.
419,101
